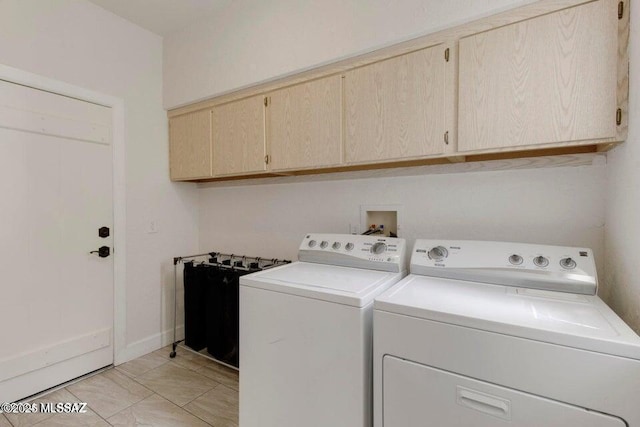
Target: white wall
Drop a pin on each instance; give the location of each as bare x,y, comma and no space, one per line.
553,206
622,244
250,41
77,42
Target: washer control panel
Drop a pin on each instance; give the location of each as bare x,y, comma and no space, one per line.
560,268
352,250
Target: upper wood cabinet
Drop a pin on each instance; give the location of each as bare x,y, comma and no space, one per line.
305,125
190,146
546,80
238,137
550,77
395,109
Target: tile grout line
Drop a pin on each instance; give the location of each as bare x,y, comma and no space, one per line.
135,380
96,412
202,394
135,376
217,386
184,408
198,417
9,421
181,367
197,371
132,405
153,393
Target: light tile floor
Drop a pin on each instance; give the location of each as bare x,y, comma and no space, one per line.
153,390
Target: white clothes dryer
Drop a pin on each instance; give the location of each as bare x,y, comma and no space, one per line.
491,333
306,332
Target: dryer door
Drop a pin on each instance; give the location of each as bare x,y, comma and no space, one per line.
417,395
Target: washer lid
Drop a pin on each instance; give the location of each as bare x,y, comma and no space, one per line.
579,321
352,286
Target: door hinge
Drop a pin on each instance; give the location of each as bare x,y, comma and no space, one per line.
446,137
266,159
446,54
619,116
266,101
620,10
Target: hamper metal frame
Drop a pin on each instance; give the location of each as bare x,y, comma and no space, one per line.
222,260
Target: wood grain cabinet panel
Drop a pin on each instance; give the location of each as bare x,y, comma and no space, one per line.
545,80
395,109
190,146
305,125
238,137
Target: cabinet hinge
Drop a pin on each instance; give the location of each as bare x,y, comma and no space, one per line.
266,159
620,10
266,101
446,54
619,116
446,137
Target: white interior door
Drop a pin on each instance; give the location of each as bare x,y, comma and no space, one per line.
56,301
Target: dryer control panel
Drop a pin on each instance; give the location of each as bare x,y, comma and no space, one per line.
555,268
352,250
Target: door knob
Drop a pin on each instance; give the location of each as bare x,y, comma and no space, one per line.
103,251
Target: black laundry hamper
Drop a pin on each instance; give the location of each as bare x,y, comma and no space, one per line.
195,305
223,317
212,310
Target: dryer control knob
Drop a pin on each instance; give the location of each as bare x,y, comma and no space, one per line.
568,263
336,245
515,259
349,246
378,248
312,243
438,253
541,261
324,244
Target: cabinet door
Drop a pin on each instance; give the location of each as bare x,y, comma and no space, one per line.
190,146
238,137
395,109
305,125
546,80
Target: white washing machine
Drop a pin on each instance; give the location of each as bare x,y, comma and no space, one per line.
306,332
491,334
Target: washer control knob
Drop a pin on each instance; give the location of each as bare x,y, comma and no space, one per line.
568,263
312,243
378,248
438,253
541,261
324,244
349,246
515,259
336,245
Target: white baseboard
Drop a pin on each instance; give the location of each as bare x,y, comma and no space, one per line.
148,345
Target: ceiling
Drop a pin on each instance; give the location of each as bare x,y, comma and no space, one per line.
162,16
